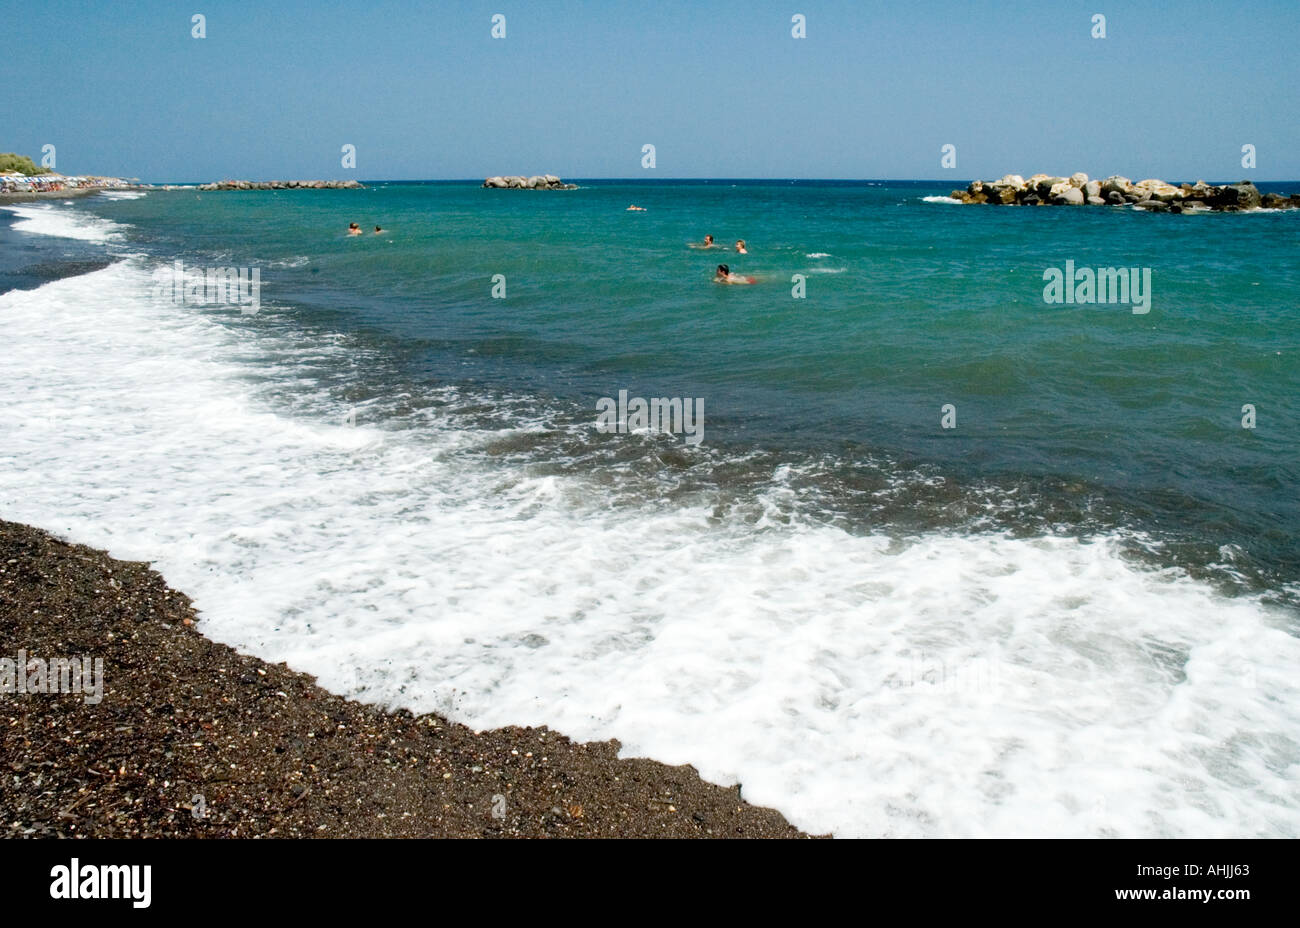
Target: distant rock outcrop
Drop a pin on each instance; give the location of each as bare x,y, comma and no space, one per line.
536,182
1151,194
282,185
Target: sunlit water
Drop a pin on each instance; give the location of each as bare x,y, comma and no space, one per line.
1072,614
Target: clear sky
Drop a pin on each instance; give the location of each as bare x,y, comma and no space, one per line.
721,89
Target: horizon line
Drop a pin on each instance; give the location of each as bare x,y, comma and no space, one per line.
849,180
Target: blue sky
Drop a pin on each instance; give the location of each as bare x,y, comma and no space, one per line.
720,88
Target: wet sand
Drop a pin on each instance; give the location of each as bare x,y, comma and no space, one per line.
193,739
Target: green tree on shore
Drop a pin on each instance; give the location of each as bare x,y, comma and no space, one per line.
20,163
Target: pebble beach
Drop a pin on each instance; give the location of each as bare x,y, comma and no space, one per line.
193,739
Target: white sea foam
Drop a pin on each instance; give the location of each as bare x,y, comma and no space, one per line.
940,200
949,685
817,254
1206,211
122,194
64,223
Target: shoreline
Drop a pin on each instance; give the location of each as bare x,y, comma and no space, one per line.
270,752
7,198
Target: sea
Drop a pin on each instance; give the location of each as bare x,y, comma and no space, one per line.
946,556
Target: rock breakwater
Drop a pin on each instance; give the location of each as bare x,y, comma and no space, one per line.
1151,194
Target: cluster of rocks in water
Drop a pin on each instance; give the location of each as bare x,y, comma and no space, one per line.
536,182
1155,195
282,185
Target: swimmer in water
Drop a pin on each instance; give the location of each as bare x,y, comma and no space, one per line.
724,276
707,243
354,229
639,209
378,230
740,247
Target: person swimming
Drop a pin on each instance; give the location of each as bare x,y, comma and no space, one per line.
378,230
707,243
724,276
354,229
635,208
740,247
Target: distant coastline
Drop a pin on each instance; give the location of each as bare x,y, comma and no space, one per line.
282,185
20,188
16,187
940,184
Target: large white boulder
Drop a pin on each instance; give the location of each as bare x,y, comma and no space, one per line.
1067,193
1158,190
1043,186
1116,184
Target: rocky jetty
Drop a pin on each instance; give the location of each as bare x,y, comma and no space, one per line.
536,182
282,185
1152,194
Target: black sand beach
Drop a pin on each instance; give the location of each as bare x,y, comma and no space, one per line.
270,753
67,194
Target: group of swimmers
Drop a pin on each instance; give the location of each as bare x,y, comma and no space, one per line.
724,274
710,243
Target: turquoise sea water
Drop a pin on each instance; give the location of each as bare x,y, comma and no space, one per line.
1074,613
1090,415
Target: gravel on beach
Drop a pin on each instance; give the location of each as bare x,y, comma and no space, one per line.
193,739
66,194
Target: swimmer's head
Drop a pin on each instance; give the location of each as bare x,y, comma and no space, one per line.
740,243
708,239
723,271
377,229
